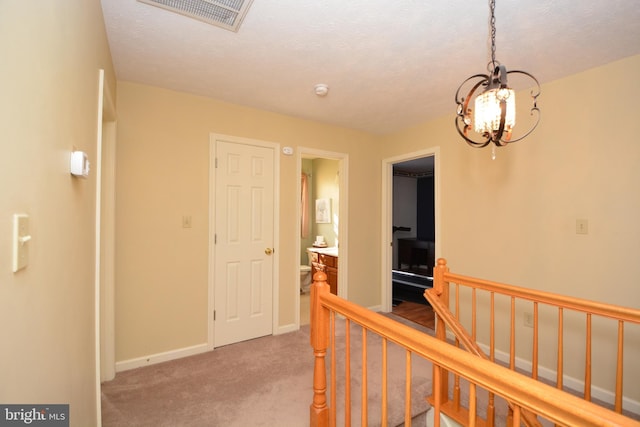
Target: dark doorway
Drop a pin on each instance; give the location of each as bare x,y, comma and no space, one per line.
413,229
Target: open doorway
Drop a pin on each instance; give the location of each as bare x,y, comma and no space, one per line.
410,226
321,225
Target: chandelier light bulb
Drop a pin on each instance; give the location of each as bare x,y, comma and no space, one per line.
488,111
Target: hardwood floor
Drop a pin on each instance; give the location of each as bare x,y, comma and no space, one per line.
421,314
418,313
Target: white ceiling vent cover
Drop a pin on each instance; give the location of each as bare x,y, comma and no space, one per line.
227,14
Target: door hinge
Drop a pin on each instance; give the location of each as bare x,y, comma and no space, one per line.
216,163
215,239
214,315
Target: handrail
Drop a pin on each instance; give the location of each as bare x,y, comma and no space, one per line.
549,402
458,330
579,304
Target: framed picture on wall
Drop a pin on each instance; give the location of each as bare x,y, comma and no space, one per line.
323,211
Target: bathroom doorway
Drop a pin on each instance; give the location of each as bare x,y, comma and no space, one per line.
321,224
410,229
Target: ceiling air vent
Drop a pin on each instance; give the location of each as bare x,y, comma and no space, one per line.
227,14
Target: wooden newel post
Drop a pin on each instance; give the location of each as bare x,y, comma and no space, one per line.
442,290
320,342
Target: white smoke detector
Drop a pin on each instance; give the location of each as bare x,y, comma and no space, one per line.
321,89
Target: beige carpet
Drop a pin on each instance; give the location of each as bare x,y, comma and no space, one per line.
262,382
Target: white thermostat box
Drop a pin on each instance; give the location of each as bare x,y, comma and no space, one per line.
79,164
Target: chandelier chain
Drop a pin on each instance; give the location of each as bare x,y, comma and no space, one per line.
492,6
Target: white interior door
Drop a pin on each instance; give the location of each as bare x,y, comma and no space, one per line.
244,239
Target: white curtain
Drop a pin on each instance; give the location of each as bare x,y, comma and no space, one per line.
304,201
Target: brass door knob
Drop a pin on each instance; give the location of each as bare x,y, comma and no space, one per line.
268,251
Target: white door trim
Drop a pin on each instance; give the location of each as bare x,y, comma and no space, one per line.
213,137
343,226
386,256
104,282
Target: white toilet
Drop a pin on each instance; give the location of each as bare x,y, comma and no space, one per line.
305,276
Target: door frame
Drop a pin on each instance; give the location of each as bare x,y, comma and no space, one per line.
386,256
104,261
213,138
343,225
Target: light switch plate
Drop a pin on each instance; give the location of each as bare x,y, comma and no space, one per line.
21,240
582,226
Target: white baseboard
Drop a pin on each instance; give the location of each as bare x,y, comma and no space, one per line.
376,308
291,327
166,356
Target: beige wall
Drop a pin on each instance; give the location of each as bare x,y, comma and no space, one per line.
513,219
51,52
163,169
326,186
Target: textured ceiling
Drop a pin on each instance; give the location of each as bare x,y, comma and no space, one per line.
388,64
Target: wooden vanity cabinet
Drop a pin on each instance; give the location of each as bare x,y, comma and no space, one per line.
328,264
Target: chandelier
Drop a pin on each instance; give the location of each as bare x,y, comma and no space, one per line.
493,114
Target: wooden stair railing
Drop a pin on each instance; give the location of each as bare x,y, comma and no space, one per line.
523,392
441,292
461,334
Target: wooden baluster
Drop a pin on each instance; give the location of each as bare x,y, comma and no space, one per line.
319,412
472,405
587,364
560,375
491,408
512,339
492,327
559,369
512,352
534,371
437,397
384,382
347,374
456,392
516,416
618,406
365,408
333,406
456,378
491,411
457,301
473,314
407,390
